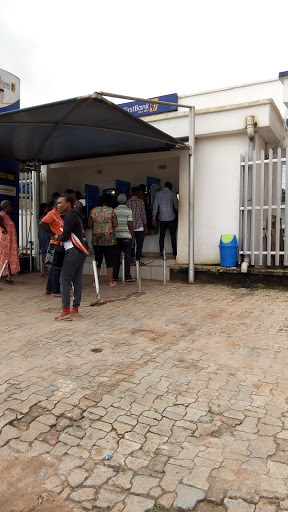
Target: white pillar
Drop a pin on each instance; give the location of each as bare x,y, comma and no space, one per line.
35,221
43,184
183,215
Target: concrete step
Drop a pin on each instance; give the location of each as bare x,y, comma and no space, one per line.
153,268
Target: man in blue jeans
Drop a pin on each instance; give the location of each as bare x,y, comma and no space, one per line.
139,222
165,205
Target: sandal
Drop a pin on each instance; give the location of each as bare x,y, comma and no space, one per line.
64,318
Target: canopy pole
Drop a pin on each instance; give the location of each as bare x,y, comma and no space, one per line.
135,98
36,196
191,271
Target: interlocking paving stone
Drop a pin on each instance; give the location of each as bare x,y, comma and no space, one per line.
138,504
8,433
108,498
238,506
172,477
68,463
83,494
143,484
187,496
76,477
70,440
99,476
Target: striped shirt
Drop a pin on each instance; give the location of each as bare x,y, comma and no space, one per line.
124,215
138,210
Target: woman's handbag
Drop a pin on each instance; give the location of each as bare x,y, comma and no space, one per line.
58,258
50,255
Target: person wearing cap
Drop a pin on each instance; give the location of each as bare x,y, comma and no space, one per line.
125,238
8,243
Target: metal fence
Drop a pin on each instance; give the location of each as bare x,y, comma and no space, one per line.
28,217
264,209
25,211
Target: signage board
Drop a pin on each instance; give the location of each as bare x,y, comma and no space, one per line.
9,171
9,186
9,91
148,108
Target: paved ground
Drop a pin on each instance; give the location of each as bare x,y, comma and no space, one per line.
186,386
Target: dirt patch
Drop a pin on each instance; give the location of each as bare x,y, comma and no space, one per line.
21,485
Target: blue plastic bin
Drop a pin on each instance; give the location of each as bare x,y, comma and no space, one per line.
228,250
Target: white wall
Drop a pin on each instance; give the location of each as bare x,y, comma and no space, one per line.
237,94
217,179
104,171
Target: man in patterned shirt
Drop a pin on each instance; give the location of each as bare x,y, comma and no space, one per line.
139,222
103,221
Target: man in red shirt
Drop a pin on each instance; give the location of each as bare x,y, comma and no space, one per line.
52,224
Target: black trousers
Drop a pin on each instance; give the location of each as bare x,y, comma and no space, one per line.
172,226
123,245
72,270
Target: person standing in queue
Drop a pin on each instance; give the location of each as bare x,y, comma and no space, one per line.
139,223
52,224
103,221
77,204
125,238
8,243
43,237
165,205
76,250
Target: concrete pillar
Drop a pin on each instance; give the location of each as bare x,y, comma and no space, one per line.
283,77
183,216
43,184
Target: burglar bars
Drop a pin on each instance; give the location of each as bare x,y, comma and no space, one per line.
264,209
25,211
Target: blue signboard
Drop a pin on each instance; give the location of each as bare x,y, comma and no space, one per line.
9,186
147,108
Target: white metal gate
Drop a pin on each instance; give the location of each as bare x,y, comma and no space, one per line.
264,209
28,215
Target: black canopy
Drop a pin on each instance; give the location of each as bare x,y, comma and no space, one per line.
77,128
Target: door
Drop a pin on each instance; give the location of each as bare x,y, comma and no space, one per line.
91,198
153,185
124,186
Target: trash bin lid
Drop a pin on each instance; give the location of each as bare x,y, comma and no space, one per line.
228,240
